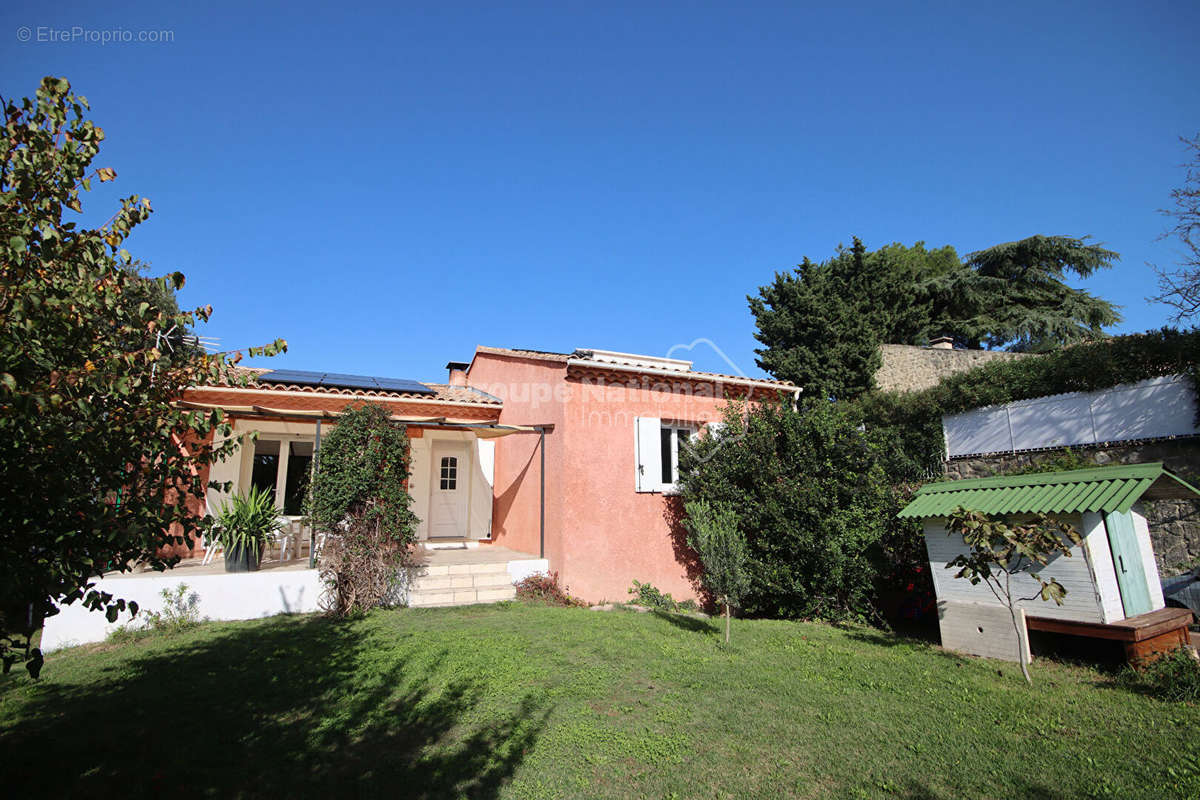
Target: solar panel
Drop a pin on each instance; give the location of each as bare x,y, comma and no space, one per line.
344,381
402,385
293,376
340,380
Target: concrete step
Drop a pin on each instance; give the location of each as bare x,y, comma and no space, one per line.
459,597
429,570
482,580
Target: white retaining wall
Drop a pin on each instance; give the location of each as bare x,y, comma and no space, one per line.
522,569
228,596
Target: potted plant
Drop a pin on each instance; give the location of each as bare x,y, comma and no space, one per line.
244,527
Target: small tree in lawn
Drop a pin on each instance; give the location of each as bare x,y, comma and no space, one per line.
359,496
1002,550
722,550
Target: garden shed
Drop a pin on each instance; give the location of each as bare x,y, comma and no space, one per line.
1112,582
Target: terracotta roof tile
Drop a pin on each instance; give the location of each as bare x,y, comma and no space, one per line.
694,374
443,392
544,355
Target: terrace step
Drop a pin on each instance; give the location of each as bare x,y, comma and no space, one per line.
429,570
481,580
460,597
451,586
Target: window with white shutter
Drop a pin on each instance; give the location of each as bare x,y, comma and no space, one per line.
658,444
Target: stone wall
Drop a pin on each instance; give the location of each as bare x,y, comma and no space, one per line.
1174,524
908,368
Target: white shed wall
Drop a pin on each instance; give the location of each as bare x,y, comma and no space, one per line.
1082,602
1095,545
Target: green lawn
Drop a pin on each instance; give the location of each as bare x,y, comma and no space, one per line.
531,702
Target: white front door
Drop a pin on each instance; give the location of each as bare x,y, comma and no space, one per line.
448,490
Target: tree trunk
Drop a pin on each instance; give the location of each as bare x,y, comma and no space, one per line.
1022,654
726,622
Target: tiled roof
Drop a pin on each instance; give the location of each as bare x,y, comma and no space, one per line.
605,365
443,392
544,355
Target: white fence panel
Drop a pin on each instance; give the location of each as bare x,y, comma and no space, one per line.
1051,422
1153,408
1165,407
984,430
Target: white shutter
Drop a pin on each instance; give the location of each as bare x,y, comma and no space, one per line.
481,489
227,471
648,450
485,452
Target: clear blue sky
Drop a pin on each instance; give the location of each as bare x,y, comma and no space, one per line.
387,186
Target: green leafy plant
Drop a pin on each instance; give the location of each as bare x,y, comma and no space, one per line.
101,468
180,612
815,497
247,523
545,588
1000,550
723,552
648,595
359,496
1174,677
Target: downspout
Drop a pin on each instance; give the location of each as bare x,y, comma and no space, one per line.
542,494
316,463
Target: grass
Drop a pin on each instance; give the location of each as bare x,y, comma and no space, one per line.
526,701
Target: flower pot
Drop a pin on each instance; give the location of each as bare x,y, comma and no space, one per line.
241,558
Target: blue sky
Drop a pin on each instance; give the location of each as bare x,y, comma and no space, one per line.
388,185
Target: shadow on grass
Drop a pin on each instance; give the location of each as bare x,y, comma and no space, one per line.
687,622
884,638
284,708
1013,786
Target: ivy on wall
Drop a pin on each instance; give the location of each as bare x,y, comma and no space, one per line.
916,417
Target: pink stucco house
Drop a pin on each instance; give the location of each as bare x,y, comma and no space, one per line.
570,457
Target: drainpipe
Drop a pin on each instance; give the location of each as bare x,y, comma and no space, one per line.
316,462
542,496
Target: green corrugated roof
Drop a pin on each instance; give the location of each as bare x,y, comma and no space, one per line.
1076,491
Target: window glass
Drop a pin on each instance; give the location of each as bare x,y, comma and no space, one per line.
668,452
266,465
449,473
672,440
300,456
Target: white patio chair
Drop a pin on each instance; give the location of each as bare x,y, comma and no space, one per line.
212,544
284,538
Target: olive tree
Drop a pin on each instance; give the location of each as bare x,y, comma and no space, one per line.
723,552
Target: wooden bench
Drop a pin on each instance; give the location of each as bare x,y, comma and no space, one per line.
1146,636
